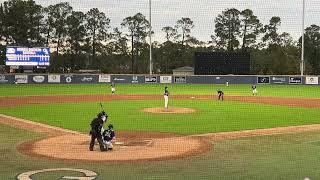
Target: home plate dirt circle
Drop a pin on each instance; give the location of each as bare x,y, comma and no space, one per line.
171,110
75,147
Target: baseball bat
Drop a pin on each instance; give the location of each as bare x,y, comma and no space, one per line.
101,107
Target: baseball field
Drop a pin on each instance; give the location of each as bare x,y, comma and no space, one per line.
243,137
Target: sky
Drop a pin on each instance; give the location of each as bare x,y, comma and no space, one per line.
201,12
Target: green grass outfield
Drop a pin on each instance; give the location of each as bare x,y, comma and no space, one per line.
290,156
211,116
306,91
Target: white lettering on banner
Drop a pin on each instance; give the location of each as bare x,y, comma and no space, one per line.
68,79
295,80
38,79
54,78
180,79
119,79
150,79
134,79
104,78
312,80
21,79
263,80
165,79
86,79
88,175
3,79
279,79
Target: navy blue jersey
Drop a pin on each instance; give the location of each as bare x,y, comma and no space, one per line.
166,92
108,135
220,92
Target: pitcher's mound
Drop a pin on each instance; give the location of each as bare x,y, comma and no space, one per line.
171,110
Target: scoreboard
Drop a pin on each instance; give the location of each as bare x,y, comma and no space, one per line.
222,63
24,56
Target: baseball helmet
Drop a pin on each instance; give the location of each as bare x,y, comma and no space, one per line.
102,113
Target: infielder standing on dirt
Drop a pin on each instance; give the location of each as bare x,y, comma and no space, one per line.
166,97
95,132
254,90
113,87
220,95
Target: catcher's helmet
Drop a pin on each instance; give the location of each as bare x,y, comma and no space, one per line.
102,113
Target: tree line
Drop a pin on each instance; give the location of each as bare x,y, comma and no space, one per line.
85,40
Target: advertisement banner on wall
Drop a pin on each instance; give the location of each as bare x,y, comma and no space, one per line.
53,78
135,79
180,79
151,79
87,78
312,80
38,79
263,80
166,79
3,79
21,79
295,80
104,78
278,80
68,79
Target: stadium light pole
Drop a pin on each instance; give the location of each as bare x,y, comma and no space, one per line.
150,40
302,39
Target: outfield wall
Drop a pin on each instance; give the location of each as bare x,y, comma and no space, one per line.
153,79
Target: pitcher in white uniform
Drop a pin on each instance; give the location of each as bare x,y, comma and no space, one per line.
113,87
166,97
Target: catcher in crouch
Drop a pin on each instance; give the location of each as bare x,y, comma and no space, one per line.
107,136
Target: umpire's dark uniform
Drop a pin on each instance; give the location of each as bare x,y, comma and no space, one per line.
96,126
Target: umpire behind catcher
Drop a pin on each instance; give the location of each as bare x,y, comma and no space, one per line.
96,126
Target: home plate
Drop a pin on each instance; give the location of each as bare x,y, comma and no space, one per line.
119,143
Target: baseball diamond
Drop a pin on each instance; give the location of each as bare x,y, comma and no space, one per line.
194,126
150,90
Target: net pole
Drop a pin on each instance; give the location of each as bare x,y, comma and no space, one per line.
302,39
150,40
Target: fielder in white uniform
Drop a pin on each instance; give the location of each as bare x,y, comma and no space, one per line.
166,97
113,88
254,90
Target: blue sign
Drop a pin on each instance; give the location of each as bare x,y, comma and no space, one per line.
24,56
